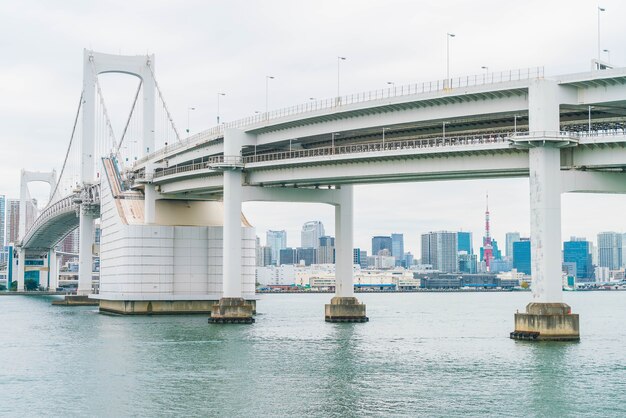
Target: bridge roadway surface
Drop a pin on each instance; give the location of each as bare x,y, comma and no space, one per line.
412,133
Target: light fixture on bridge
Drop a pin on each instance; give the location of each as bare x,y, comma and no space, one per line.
218,106
600,10
189,109
448,36
267,91
608,52
339,59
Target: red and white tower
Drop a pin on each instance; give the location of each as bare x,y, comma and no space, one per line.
487,248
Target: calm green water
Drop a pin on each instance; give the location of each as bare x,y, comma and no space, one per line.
420,355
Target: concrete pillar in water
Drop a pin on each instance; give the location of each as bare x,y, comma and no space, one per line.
344,307
21,263
232,307
85,253
547,317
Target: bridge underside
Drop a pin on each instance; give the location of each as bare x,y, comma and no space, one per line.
51,233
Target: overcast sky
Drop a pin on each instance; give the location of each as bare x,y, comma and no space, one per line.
204,47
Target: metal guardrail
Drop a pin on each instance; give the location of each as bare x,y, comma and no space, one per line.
340,150
338,102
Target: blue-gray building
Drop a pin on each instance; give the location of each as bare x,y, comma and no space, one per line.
397,248
578,251
521,256
381,243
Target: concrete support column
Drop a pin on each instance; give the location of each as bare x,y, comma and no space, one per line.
53,270
232,234
545,224
344,283
149,199
344,307
21,269
547,317
85,253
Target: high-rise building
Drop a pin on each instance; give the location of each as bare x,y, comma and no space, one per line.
578,251
467,262
3,203
495,250
276,240
287,256
521,256
511,237
12,220
326,250
464,242
356,256
363,259
439,249
308,255
381,243
311,233
408,259
397,246
610,250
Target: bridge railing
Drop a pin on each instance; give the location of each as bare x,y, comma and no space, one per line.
340,101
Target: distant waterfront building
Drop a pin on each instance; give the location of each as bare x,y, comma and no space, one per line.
511,237
501,265
381,243
363,259
356,256
326,250
464,242
12,221
467,262
439,249
610,250
578,251
311,233
408,259
276,240
397,248
287,256
306,255
521,256
3,202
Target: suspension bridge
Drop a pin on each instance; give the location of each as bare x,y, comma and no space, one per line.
173,235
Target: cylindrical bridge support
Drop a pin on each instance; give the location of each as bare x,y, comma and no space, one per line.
21,269
85,253
344,307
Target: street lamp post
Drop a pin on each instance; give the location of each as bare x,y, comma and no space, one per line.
384,138
189,109
600,9
218,106
515,124
485,76
448,36
589,121
267,92
339,59
444,129
608,53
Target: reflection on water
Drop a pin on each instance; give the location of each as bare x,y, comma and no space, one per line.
420,354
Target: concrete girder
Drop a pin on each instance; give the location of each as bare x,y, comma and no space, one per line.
593,182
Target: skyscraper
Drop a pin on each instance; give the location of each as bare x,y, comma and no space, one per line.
511,237
439,249
397,248
610,250
12,220
521,256
578,251
3,202
381,243
326,250
464,242
276,240
311,233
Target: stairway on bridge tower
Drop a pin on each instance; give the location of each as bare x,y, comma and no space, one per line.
172,266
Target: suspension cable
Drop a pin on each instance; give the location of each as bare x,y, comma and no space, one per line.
169,116
69,147
132,109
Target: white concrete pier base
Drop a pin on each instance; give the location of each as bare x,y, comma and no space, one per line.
344,307
21,260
